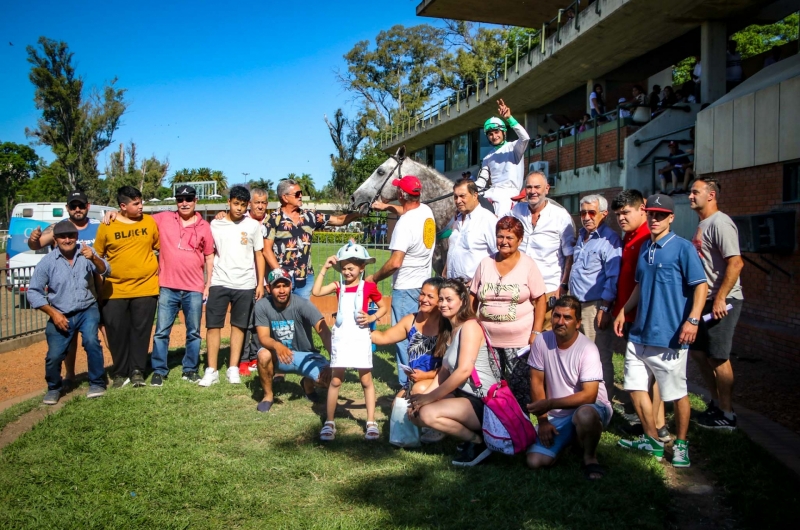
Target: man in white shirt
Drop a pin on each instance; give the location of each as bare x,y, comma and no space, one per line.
473,233
412,246
549,237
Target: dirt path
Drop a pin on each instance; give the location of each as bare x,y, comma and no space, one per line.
24,423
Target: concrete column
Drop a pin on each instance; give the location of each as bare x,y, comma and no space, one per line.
713,45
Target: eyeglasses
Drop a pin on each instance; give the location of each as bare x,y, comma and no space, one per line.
179,200
76,205
588,213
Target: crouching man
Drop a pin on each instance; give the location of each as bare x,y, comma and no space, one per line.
569,396
62,286
283,324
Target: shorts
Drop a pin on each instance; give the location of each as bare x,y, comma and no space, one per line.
664,364
475,401
715,337
566,431
240,300
306,363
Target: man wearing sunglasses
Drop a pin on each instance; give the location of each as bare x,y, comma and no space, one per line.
593,280
77,209
671,285
288,243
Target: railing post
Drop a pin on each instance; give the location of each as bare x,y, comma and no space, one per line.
577,11
458,101
530,60
575,153
619,146
597,7
496,75
516,61
477,92
448,107
558,26
558,154
597,169
487,83
543,36
505,67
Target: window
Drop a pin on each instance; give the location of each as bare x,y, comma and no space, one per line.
58,212
27,212
439,153
474,146
791,182
421,156
460,152
571,202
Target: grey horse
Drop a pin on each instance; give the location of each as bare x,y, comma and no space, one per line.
434,186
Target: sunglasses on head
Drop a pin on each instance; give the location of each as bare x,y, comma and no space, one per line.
589,213
184,199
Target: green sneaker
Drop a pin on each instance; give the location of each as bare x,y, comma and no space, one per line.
680,454
646,444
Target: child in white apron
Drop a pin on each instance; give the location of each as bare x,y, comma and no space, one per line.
351,346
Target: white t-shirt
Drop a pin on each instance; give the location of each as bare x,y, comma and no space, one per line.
550,242
234,263
414,234
473,238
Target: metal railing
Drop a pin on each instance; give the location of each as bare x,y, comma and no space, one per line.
557,137
16,316
537,41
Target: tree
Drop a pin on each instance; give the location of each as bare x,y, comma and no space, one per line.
46,185
125,169
75,125
306,183
263,184
347,135
18,164
202,174
396,79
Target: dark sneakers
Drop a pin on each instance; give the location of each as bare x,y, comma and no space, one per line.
472,455
120,381
714,418
52,397
157,380
192,377
137,379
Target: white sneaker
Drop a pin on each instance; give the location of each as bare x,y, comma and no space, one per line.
232,374
210,377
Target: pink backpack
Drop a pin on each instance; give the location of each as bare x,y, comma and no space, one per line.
506,428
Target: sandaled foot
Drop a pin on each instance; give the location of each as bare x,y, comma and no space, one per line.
328,432
372,431
593,471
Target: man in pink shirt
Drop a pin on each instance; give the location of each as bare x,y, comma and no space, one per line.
186,255
569,396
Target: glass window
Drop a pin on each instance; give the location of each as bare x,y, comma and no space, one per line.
58,212
460,150
421,156
486,147
439,153
570,202
27,212
791,182
474,146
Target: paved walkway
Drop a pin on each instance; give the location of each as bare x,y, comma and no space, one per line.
779,441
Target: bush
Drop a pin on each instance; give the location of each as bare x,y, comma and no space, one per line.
339,238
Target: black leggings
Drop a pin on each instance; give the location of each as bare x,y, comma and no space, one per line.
129,323
517,374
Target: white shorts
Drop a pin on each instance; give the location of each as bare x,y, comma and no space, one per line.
501,198
663,363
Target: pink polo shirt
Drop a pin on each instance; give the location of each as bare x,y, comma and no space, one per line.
183,251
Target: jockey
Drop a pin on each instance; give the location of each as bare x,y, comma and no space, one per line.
505,165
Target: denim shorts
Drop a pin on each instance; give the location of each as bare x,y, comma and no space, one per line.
305,363
566,431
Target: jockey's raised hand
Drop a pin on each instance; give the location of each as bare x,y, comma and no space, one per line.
503,110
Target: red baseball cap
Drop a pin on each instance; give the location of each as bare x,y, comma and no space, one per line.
409,184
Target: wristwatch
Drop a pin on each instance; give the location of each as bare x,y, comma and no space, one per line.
603,308
692,321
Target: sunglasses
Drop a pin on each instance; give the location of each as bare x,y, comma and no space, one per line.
588,213
179,200
297,195
76,205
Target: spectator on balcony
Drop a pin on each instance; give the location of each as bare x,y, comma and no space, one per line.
696,74
623,112
585,123
537,142
668,99
597,104
676,167
685,94
655,97
733,66
640,105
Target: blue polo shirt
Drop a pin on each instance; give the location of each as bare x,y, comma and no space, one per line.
667,272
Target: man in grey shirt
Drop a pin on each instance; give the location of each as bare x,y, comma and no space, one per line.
283,324
717,243
62,287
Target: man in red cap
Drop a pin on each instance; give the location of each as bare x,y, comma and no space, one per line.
412,245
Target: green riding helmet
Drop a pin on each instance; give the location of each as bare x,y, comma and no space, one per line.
493,124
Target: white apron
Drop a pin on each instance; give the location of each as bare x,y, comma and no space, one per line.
351,345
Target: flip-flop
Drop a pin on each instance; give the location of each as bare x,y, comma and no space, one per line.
264,406
593,469
313,397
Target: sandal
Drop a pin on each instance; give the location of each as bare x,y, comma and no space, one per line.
593,469
372,431
328,432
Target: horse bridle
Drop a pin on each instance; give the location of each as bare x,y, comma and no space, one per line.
399,165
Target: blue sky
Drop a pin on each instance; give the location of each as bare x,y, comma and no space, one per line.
239,88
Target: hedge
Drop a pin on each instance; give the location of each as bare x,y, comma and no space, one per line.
339,238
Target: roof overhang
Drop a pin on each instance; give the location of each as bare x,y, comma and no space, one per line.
526,13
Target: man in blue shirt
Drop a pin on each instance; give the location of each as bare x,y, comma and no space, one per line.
62,286
671,286
595,268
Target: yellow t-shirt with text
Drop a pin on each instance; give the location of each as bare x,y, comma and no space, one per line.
129,251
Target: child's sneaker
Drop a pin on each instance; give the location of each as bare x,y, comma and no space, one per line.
680,454
232,374
244,369
210,377
646,444
253,366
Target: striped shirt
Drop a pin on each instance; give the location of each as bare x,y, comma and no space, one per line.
66,287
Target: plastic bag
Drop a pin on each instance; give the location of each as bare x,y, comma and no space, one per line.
402,432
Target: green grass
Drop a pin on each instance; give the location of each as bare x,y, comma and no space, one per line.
321,251
12,413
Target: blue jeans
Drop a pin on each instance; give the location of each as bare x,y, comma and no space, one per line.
566,431
404,302
170,301
305,363
87,322
302,288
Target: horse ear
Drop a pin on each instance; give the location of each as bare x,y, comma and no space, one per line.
401,152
